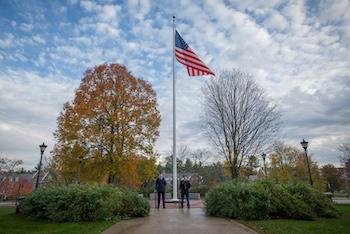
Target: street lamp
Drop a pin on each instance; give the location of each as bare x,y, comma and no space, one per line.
304,144
264,158
42,149
80,160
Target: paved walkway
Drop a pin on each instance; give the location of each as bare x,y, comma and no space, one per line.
7,203
179,221
341,200
193,203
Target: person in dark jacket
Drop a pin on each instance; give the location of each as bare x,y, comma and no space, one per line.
185,186
160,187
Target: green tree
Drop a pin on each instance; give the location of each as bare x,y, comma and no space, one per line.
250,167
333,177
288,164
283,161
188,166
345,158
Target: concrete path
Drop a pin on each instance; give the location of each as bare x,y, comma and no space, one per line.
179,221
7,203
193,203
341,200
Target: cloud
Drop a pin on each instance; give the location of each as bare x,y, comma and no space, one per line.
39,39
105,13
296,50
139,8
275,21
26,27
336,12
29,107
7,41
41,59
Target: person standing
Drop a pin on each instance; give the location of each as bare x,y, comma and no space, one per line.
185,186
160,187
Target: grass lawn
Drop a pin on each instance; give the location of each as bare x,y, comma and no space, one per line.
319,226
14,223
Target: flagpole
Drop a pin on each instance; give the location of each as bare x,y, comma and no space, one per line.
174,118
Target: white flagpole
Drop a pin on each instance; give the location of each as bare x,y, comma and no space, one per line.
174,118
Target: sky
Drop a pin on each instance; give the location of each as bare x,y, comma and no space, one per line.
297,51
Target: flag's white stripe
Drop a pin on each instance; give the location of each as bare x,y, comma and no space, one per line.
193,65
198,62
199,66
188,52
187,56
207,72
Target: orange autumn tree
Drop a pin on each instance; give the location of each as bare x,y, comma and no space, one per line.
111,124
287,163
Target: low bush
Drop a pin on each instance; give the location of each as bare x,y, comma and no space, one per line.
318,202
283,204
83,203
265,200
237,200
146,191
132,205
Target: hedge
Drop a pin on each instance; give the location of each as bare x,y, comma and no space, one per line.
266,200
83,203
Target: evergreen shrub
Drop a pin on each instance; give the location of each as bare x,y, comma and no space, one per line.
83,203
266,200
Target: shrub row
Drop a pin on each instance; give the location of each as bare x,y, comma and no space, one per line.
83,203
265,200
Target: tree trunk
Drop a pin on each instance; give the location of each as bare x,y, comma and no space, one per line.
234,172
111,178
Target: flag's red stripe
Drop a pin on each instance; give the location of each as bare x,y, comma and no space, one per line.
194,65
186,53
207,71
187,63
191,69
190,60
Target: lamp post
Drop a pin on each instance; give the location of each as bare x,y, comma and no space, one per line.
80,160
264,158
304,144
42,149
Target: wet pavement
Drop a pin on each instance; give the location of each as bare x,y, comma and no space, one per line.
341,200
179,221
193,204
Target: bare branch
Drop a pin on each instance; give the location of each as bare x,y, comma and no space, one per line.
241,122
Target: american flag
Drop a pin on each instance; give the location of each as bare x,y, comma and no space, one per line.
184,54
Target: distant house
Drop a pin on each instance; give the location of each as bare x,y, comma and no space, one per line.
260,174
15,184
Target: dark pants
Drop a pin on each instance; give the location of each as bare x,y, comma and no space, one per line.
163,198
183,194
